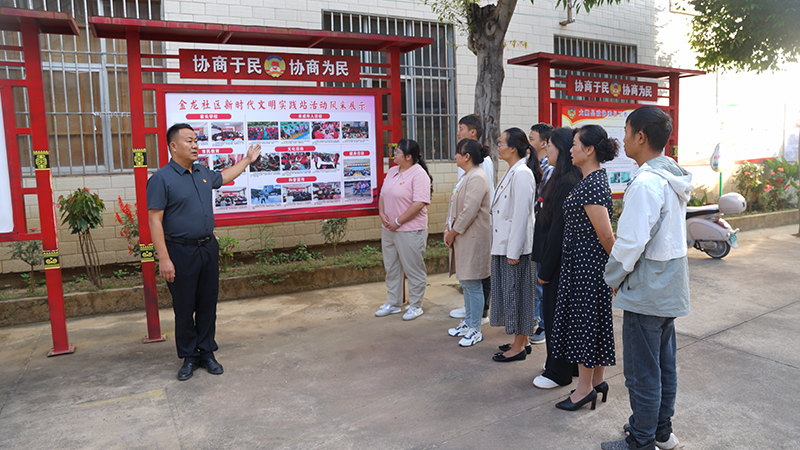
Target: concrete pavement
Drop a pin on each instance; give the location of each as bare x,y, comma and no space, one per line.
316,370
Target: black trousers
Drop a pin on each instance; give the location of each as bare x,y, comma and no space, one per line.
557,369
487,295
194,298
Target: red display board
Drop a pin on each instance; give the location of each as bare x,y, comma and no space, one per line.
268,66
611,88
246,101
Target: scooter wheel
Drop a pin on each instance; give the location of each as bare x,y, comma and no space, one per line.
722,250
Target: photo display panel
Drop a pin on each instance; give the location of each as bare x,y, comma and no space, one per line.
612,119
316,150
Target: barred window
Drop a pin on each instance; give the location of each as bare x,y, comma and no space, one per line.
589,48
86,89
428,77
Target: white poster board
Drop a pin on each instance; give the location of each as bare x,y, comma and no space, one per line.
612,119
317,151
6,213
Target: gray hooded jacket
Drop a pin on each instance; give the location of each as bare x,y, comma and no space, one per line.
648,263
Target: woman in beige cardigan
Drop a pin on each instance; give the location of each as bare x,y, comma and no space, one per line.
468,235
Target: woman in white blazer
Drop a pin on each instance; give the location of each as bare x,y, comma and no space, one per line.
512,242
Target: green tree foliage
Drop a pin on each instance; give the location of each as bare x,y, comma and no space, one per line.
485,28
745,35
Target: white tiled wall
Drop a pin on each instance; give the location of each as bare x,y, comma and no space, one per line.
638,22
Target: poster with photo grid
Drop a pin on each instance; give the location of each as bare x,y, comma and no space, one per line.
316,150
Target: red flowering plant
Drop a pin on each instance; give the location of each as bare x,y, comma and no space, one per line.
777,177
748,182
129,220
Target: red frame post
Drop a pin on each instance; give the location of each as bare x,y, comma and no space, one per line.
44,190
544,92
140,174
395,114
674,107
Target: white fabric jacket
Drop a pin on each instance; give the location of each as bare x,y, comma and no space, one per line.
648,263
512,212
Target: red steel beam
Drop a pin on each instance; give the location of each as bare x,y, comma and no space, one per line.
140,174
44,180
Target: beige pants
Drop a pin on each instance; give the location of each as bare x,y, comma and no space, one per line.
404,251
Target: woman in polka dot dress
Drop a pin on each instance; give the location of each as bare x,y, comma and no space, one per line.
583,328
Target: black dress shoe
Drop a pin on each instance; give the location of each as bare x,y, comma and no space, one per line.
187,370
569,406
507,347
518,357
212,366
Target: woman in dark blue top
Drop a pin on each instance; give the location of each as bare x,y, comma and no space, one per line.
547,240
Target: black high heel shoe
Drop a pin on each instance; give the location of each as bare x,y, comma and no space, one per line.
507,347
518,357
569,406
601,388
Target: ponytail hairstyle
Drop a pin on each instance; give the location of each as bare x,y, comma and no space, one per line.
564,172
519,140
410,147
472,148
605,148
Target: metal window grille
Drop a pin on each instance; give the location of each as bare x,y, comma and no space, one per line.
428,76
86,89
588,48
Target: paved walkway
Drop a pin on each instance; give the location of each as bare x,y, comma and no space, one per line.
317,370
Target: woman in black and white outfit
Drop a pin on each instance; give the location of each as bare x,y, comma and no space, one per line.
512,241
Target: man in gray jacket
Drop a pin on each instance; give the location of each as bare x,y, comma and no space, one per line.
649,272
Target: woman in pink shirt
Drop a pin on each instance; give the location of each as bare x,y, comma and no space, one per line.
403,206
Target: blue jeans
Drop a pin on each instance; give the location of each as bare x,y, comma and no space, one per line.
538,294
649,356
473,302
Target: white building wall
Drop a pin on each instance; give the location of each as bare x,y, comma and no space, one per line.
658,35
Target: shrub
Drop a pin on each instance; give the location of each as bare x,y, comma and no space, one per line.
82,211
226,246
29,252
334,230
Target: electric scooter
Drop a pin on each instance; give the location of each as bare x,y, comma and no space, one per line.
708,232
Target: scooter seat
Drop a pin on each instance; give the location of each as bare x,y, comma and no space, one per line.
707,210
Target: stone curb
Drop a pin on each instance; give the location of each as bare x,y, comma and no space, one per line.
31,310
81,304
766,220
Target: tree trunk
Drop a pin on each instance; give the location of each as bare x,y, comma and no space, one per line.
486,40
32,281
90,258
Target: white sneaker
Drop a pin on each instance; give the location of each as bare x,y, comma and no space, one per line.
473,337
484,321
387,309
542,382
460,313
669,444
412,313
459,331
